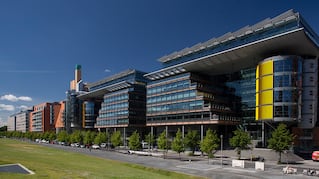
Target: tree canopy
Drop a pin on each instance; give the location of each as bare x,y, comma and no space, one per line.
162,141
240,141
150,139
177,144
280,140
210,143
116,138
101,137
191,140
134,141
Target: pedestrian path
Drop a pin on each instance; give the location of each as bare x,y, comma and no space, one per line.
198,166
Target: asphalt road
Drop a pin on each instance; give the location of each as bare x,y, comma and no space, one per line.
197,166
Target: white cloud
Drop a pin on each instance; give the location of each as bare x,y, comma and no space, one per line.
25,98
5,107
107,70
13,98
23,107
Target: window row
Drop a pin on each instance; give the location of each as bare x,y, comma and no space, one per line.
113,114
286,96
290,80
286,111
292,64
176,107
172,97
116,98
168,87
111,122
114,106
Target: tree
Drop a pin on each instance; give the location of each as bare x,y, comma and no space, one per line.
150,139
240,141
134,141
52,136
210,143
45,135
76,137
280,140
100,138
3,128
177,144
162,141
191,140
116,138
63,136
88,137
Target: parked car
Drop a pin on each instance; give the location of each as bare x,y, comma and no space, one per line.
315,156
103,145
75,145
95,146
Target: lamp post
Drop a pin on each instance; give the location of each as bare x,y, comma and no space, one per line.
221,149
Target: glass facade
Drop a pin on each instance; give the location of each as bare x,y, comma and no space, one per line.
189,98
244,84
287,87
278,90
125,103
73,111
89,115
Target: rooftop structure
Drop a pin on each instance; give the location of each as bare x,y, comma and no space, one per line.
287,33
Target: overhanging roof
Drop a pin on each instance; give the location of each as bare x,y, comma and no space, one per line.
99,93
295,42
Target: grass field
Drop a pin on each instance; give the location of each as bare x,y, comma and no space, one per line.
53,163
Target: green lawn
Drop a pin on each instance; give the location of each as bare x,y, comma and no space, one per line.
53,163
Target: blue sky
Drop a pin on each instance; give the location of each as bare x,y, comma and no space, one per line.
42,40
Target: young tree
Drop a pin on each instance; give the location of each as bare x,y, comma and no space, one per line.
63,136
116,138
52,136
240,141
162,141
150,139
88,137
280,140
134,141
76,136
177,144
210,143
191,140
100,138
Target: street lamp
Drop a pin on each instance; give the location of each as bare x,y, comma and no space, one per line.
221,149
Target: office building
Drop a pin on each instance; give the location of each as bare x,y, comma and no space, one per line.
19,121
59,123
117,102
43,117
253,78
73,106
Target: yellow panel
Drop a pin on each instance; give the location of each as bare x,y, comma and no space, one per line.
266,97
266,68
257,78
266,112
266,82
257,113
